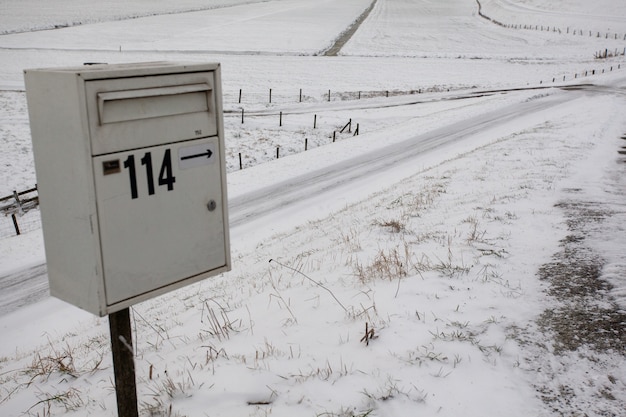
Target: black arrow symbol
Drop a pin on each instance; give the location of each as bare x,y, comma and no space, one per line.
208,154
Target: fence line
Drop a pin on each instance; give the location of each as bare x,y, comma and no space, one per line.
554,29
257,97
241,97
16,206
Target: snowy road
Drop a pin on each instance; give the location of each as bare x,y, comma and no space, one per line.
23,288
254,205
263,209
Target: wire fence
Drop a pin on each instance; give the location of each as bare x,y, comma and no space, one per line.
547,28
284,96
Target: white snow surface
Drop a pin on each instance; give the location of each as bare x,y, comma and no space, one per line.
432,226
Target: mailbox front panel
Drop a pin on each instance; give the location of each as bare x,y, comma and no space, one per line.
161,216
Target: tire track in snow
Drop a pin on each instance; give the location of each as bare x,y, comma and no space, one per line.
23,288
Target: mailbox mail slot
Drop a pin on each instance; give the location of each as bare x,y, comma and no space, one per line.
124,106
149,111
131,177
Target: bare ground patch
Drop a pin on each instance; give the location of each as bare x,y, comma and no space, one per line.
585,330
584,313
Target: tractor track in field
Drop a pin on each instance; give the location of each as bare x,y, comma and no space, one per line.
348,33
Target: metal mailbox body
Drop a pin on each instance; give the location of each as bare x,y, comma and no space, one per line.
131,178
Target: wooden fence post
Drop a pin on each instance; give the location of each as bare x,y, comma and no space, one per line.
240,96
17,227
280,122
240,162
270,95
242,116
348,125
314,121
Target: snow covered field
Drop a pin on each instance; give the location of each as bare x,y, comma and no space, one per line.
479,233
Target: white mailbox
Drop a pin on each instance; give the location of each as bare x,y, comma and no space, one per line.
131,178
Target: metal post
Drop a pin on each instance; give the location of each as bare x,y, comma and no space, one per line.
123,363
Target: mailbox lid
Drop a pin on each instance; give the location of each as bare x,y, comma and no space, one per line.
148,110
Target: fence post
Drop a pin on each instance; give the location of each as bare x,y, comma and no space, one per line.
270,95
242,116
17,227
328,95
314,121
240,96
348,125
306,144
240,162
334,134
277,151
280,122
356,131
300,96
